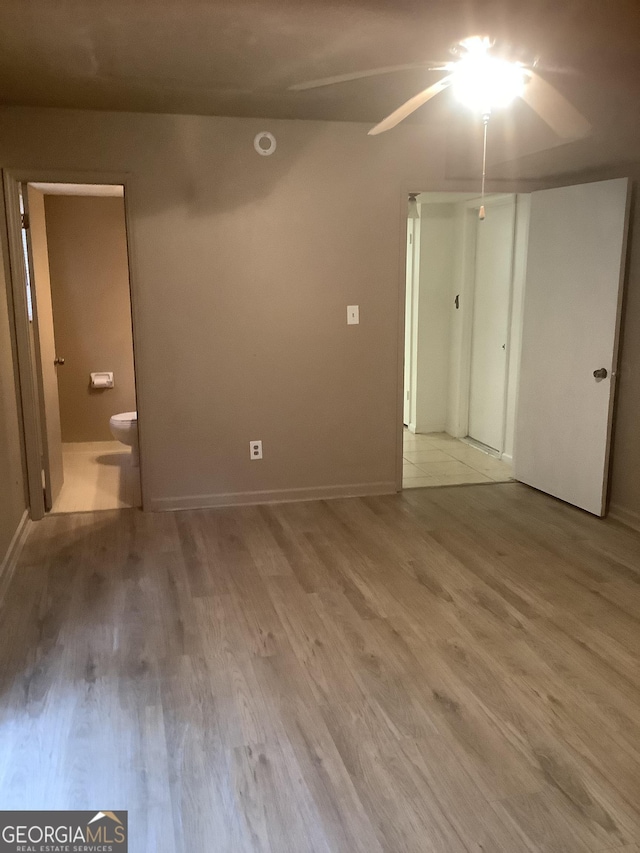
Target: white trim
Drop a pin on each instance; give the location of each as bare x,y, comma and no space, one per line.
278,496
10,560
628,517
26,377
93,190
409,335
507,457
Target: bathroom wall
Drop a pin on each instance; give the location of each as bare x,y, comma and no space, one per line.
91,310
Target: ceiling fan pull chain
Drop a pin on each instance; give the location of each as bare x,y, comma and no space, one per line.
485,121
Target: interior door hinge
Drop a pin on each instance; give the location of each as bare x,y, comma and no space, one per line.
25,221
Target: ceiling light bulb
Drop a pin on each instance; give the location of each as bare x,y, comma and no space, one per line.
484,82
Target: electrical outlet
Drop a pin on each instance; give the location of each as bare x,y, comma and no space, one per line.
255,449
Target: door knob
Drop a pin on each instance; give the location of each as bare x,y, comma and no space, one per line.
58,360
600,373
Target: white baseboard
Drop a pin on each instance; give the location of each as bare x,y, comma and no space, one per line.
628,517
507,457
282,496
425,428
10,559
454,432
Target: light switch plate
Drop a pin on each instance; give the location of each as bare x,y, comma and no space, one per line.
353,315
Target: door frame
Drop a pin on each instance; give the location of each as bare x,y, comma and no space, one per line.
26,353
410,332
465,275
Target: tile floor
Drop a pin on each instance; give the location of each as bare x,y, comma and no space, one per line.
437,459
97,475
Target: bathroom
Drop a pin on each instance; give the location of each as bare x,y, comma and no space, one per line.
79,306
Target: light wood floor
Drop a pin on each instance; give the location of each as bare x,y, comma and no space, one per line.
444,670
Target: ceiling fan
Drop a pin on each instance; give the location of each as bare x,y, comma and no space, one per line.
484,80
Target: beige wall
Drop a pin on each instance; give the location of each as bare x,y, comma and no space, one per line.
12,486
243,267
91,311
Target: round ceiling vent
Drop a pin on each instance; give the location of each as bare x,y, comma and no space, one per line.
265,143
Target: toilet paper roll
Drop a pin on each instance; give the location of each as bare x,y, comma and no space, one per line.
102,380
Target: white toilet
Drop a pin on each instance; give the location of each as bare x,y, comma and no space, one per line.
124,427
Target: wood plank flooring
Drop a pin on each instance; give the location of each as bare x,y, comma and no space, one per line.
444,670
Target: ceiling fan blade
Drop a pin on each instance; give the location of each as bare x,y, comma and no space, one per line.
553,108
411,106
359,75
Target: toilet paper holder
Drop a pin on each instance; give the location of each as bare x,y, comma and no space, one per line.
103,379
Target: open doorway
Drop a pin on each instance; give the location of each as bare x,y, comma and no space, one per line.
78,304
463,313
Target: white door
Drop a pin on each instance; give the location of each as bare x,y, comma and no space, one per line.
45,350
573,294
490,324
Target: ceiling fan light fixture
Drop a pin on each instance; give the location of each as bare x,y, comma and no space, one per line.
483,82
